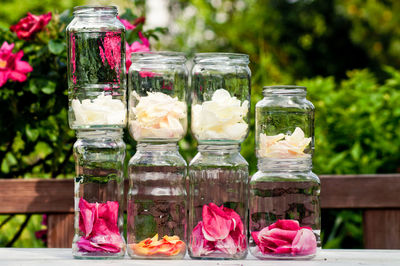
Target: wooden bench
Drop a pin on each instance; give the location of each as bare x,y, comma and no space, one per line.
377,195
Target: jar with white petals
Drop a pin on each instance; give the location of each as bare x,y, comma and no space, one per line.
284,206
158,84
220,98
96,69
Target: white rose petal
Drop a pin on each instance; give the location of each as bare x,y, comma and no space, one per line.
103,110
158,115
283,146
220,118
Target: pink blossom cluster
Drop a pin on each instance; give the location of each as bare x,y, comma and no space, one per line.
11,65
221,230
285,237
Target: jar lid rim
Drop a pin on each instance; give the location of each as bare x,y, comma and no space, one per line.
159,56
84,10
216,57
284,90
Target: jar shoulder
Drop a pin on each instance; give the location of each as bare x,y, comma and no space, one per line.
98,25
263,176
165,159
224,160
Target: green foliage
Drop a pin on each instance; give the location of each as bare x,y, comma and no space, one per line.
356,123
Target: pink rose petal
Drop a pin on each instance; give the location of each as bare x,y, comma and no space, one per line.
305,242
216,224
288,224
287,249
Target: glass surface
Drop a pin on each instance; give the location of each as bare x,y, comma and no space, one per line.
99,158
220,98
156,224
218,184
158,84
96,69
284,123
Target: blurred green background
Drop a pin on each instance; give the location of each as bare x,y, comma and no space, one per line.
346,52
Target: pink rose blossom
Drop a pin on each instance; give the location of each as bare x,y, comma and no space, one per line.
31,24
11,66
127,24
285,237
98,223
136,47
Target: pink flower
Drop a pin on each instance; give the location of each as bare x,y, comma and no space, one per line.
221,230
285,237
136,47
28,26
127,24
11,66
112,50
98,223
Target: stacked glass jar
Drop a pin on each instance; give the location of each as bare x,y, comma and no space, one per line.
97,111
156,223
284,208
218,175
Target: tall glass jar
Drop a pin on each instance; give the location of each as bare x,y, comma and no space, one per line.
218,184
99,186
156,224
284,208
220,98
158,84
96,68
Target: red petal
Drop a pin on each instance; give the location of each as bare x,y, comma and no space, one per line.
304,243
216,224
254,234
283,249
86,216
3,77
288,224
17,76
287,235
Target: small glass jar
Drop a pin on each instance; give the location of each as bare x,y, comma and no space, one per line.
220,98
96,68
158,83
156,223
218,191
284,123
99,186
284,209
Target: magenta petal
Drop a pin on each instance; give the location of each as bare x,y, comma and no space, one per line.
254,234
288,224
227,246
199,245
86,216
283,249
86,245
304,243
287,235
109,213
273,242
235,217
216,224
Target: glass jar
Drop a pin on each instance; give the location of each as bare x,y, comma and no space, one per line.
96,68
284,206
218,190
284,209
220,98
156,223
158,84
284,123
99,186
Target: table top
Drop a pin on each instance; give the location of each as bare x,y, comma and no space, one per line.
63,256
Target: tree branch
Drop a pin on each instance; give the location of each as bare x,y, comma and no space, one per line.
18,234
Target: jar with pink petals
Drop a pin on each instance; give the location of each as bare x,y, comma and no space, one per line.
284,208
218,184
99,186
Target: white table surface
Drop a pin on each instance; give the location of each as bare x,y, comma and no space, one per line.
63,256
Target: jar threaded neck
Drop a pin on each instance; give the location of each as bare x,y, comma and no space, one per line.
93,11
284,90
